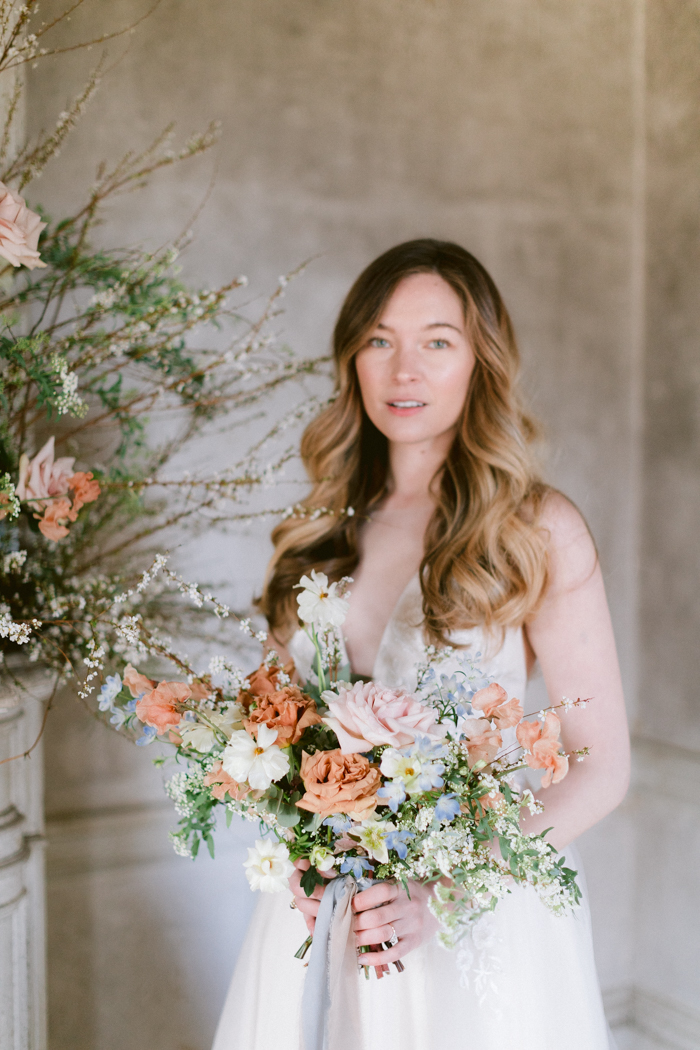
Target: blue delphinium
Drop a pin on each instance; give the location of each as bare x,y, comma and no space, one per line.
355,866
109,692
447,808
339,822
147,737
397,840
118,717
425,748
394,793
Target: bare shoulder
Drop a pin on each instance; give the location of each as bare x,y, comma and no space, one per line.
573,559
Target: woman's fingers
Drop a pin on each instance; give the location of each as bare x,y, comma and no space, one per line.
377,935
376,917
308,905
375,896
382,957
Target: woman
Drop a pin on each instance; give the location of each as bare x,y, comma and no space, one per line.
454,540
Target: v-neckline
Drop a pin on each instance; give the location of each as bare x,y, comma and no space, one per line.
389,622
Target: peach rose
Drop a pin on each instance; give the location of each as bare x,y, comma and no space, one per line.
137,684
541,739
85,490
338,783
43,477
494,704
366,715
222,784
289,711
263,680
482,741
160,707
19,230
52,524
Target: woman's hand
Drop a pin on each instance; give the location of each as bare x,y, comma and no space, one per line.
381,907
308,906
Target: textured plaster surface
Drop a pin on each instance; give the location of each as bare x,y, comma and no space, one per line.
522,130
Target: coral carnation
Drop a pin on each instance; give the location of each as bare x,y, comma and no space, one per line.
289,711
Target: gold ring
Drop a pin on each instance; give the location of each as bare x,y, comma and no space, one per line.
293,903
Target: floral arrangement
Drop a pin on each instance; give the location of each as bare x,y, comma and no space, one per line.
358,778
111,369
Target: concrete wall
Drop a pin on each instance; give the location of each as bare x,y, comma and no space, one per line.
556,142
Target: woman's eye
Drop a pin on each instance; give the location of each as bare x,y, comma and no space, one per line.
378,341
438,344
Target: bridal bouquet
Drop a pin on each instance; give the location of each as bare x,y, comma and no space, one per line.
361,779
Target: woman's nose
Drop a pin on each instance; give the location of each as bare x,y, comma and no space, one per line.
405,363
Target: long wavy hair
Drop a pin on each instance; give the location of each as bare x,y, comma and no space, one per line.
485,555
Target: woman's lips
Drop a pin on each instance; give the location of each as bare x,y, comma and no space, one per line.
405,407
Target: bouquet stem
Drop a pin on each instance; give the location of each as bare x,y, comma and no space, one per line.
304,948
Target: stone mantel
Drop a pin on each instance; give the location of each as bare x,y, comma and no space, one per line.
22,888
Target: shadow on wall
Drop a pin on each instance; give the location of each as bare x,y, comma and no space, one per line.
147,940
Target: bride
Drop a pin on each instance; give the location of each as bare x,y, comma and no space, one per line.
454,540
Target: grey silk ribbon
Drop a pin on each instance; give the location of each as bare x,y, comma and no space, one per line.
330,1006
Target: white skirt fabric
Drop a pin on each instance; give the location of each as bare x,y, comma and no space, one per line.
539,992
527,980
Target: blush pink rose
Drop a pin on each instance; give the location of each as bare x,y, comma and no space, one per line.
367,715
19,230
541,739
161,707
43,476
494,704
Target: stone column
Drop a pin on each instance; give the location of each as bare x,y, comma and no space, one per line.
22,891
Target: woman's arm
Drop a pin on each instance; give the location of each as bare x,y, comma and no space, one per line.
571,636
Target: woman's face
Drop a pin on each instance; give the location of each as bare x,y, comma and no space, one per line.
415,365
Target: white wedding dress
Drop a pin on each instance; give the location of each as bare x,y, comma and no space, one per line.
525,981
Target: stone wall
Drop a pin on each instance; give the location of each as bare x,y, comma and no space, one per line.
558,143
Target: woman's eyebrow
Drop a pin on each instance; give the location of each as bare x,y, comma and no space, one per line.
444,324
433,324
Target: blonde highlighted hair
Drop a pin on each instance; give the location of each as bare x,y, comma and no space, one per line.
485,556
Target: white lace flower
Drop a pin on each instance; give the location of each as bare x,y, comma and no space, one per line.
268,866
259,762
319,602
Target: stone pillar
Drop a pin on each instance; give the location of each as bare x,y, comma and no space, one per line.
22,907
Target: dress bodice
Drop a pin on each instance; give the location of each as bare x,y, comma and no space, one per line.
401,649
